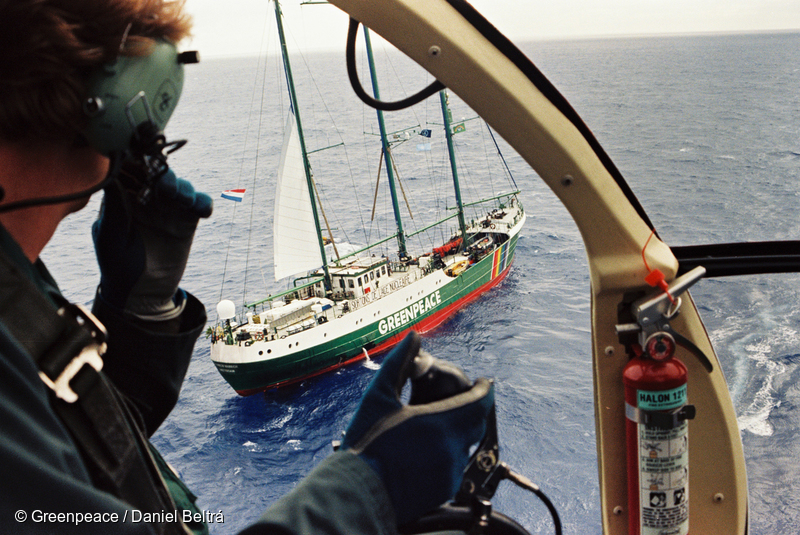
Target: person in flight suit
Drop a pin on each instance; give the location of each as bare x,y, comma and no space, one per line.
81,392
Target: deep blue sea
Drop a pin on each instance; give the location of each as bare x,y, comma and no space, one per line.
706,129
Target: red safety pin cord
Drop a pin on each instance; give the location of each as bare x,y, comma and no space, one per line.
655,277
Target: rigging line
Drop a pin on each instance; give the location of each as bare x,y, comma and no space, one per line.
400,183
321,201
367,156
434,184
264,33
341,139
255,173
263,281
502,158
414,223
444,178
318,193
374,225
313,104
377,183
445,181
340,224
399,81
391,156
358,204
325,218
487,160
352,179
380,227
412,110
402,189
470,182
465,170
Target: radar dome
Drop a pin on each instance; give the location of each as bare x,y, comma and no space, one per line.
226,309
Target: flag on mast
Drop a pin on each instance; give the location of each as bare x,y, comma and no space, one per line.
233,194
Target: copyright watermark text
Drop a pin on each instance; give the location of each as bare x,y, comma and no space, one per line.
132,516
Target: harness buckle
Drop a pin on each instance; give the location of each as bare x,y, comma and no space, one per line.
90,354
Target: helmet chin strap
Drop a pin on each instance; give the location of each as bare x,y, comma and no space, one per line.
113,171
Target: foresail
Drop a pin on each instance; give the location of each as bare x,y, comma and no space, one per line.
295,235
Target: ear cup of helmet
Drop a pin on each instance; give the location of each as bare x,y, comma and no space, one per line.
130,92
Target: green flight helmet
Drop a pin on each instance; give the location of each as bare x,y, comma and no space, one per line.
132,91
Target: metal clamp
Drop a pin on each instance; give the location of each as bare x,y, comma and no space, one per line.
484,470
653,313
653,310
660,419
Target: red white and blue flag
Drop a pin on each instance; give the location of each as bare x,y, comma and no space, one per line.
233,194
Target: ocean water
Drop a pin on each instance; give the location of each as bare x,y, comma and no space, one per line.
706,129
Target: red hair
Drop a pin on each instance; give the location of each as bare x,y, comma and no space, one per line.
49,47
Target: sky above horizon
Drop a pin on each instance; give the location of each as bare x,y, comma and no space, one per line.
235,27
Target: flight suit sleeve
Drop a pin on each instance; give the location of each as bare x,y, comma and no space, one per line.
341,496
149,366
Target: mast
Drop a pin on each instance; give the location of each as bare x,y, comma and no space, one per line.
306,165
387,155
451,152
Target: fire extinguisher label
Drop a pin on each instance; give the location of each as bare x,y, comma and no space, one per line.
663,400
664,478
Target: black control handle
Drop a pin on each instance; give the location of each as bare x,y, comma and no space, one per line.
433,380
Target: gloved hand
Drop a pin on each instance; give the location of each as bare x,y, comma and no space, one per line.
142,249
419,451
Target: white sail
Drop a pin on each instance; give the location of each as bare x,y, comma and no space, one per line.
294,232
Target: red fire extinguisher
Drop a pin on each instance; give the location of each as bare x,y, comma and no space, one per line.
657,439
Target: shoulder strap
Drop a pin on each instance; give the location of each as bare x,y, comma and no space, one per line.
67,344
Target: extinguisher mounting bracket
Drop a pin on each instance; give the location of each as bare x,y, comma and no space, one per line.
660,419
653,312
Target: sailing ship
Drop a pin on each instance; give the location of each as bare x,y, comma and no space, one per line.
358,305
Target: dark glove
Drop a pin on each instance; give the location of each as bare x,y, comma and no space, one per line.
419,451
142,249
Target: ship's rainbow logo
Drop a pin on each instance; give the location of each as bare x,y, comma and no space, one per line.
500,260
